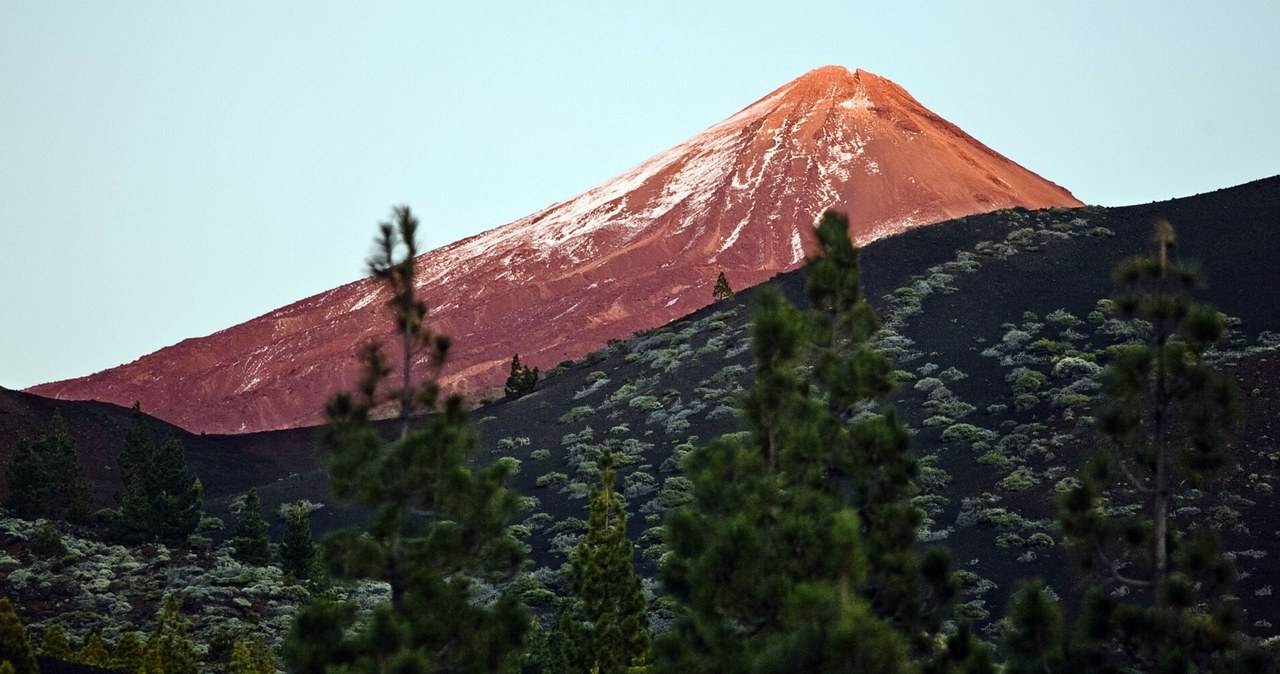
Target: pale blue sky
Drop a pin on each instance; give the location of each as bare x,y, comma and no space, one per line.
168,169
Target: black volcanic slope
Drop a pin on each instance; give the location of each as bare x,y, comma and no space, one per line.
957,299
969,306
224,467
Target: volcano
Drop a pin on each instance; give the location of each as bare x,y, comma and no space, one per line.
632,253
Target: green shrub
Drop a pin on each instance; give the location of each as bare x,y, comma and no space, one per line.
46,543
676,491
1025,380
1040,540
1005,519
577,414
552,480
932,478
954,408
963,433
1010,540
645,403
972,611
993,458
1019,480
540,454
1062,317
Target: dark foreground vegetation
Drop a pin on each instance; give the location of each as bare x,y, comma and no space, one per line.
808,488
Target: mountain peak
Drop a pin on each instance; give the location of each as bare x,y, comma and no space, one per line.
632,253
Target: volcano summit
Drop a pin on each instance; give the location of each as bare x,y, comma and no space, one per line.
632,253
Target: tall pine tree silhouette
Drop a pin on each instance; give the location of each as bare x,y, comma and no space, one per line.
1166,417
606,629
769,562
436,525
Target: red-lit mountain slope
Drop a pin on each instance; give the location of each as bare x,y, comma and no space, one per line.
632,253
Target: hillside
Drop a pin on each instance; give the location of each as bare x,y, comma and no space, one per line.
632,253
955,299
979,314
98,429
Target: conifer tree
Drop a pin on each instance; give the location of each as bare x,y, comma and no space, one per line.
94,652
910,591
241,662
139,448
128,653
44,477
1165,418
1035,641
54,643
174,493
132,521
161,500
722,291
611,636
169,650
15,644
251,657
251,545
436,525
297,551
769,561
522,380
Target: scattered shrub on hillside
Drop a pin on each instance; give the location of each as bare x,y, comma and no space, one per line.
577,414
1019,480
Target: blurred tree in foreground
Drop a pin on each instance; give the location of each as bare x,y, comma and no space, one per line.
438,530
1166,417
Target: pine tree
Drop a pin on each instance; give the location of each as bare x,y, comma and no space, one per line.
128,653
1035,641
139,449
169,650
722,291
251,657
161,500
769,560
15,644
93,652
28,495
174,494
44,477
522,380
612,635
54,643
910,591
297,551
132,521
241,662
1165,417
261,656
436,525
251,545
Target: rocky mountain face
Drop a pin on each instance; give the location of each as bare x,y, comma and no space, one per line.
632,253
